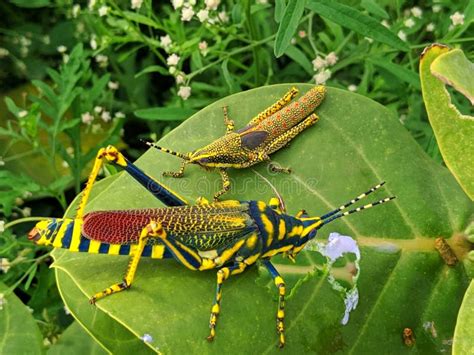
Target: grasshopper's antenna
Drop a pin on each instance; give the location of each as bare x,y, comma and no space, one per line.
166,150
351,202
358,209
275,191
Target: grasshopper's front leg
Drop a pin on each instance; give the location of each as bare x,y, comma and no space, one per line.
179,173
230,125
152,229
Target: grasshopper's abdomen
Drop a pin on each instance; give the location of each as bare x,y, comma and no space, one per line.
289,116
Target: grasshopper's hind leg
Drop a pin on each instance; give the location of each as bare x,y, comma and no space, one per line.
152,229
280,284
277,106
222,275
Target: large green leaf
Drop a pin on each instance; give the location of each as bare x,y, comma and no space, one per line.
463,342
454,132
75,340
357,143
19,333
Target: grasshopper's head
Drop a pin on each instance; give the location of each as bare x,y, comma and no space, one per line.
44,232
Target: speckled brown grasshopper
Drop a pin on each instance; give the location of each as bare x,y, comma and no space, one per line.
266,133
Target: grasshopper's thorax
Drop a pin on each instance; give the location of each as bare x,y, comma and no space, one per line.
53,231
225,152
280,232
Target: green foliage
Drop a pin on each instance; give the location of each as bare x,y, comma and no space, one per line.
75,340
463,343
355,138
453,130
19,333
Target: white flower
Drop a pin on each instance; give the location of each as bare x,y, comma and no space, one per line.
66,310
172,70
93,42
147,338
385,23
223,16
46,39
2,226
61,49
87,118
26,212
25,41
177,3
457,18
301,34
19,201
263,2
409,22
184,92
102,60
436,8
75,10
106,117
172,60
192,2
212,4
203,48
430,27
318,63
203,15
70,151
416,11
352,87
165,41
65,58
65,164
91,4
27,194
293,40
2,163
4,52
96,128
46,342
113,85
187,14
332,58
3,301
180,78
402,35
322,76
22,114
119,115
103,10
98,109
136,4
402,118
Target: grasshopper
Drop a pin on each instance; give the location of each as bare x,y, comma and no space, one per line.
266,133
228,235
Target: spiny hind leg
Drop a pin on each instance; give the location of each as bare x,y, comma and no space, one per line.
277,106
179,173
222,275
280,284
228,122
285,138
225,184
152,229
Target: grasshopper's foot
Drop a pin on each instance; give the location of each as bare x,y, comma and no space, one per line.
213,322
281,333
201,201
109,291
175,174
276,168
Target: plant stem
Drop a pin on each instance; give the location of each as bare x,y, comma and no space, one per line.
24,220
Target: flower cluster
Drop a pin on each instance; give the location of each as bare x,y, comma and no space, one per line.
100,113
320,65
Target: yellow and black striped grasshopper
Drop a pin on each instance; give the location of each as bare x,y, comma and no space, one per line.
266,133
229,235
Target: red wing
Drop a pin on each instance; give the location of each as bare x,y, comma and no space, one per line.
118,227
